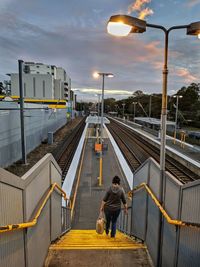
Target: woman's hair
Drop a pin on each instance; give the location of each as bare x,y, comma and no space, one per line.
116,180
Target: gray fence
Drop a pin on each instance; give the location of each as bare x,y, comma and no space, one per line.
19,200
179,246
38,122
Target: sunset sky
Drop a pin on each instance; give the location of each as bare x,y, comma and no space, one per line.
72,34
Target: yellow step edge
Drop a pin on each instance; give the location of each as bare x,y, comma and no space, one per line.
89,239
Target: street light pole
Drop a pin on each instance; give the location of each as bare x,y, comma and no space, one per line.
123,105
150,100
96,75
176,117
21,98
134,103
102,107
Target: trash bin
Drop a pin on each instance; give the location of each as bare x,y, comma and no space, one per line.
50,138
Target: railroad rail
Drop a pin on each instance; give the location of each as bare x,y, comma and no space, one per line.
136,150
65,151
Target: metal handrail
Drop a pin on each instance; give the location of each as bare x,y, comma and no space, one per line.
162,210
32,223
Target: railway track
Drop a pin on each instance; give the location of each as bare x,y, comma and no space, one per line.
136,150
65,151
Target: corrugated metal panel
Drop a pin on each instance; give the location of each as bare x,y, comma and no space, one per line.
189,241
56,203
170,232
39,239
141,175
40,234
189,248
11,243
154,178
139,206
152,230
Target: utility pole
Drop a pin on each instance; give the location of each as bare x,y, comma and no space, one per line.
23,138
150,101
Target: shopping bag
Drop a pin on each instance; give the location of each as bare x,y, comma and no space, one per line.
100,224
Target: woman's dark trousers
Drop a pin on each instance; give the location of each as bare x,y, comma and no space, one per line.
111,217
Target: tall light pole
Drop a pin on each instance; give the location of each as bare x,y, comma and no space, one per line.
134,103
123,105
150,101
123,25
21,98
103,75
98,111
176,117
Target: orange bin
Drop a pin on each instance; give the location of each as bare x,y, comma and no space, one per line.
98,147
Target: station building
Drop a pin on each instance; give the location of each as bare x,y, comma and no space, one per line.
41,81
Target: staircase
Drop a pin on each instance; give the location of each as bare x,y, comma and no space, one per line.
85,248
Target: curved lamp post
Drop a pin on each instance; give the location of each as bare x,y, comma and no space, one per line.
123,25
97,75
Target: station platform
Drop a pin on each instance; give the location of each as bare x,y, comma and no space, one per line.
186,149
99,250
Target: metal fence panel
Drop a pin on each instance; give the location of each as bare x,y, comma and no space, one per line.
11,243
189,241
152,230
139,210
56,203
141,175
39,239
154,178
37,124
170,232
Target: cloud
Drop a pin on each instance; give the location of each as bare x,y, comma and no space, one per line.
138,6
185,74
192,3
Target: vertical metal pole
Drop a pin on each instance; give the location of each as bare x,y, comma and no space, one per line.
102,107
150,106
98,106
163,144
134,111
176,119
23,141
101,140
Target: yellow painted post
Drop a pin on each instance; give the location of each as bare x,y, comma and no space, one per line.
100,170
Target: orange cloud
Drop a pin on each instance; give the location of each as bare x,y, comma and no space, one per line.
185,73
192,3
137,5
145,12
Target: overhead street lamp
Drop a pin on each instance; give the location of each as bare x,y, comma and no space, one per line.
122,25
176,117
97,75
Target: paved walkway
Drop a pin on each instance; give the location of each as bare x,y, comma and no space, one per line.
89,194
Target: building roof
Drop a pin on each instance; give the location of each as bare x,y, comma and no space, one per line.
152,121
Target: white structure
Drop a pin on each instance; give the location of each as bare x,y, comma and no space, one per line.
42,81
37,86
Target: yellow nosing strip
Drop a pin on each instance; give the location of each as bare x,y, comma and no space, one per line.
89,239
